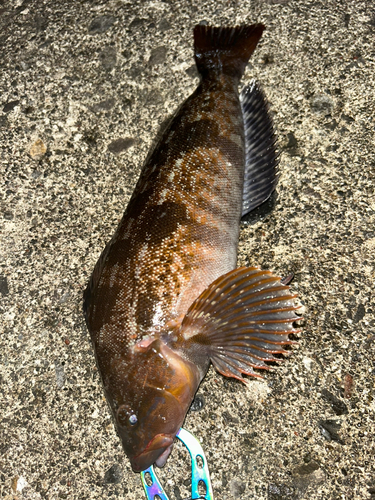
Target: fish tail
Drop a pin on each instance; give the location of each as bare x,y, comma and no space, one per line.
225,50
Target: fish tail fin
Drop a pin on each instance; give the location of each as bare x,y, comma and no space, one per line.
225,50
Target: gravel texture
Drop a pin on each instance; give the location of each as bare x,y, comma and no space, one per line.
84,87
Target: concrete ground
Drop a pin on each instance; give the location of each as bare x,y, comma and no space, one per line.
84,87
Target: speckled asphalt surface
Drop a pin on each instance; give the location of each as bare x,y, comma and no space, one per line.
84,87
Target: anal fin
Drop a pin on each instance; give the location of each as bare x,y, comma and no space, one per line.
261,164
241,320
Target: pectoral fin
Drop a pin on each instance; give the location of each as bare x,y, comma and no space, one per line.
241,320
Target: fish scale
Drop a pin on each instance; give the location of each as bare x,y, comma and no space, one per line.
203,144
165,299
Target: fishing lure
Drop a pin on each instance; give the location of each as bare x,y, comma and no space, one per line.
200,476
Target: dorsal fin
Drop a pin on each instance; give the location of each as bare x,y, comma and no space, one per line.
261,167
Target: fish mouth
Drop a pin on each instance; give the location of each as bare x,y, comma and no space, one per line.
157,451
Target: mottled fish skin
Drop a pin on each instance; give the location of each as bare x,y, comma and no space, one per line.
180,230
178,235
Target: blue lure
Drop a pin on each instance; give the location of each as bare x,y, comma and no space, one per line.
200,476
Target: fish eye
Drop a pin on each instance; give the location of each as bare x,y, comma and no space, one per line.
133,419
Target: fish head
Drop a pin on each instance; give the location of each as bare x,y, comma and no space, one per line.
158,392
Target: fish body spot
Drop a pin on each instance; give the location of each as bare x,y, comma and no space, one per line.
171,176
162,198
178,162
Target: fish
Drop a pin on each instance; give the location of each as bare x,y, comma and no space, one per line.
165,299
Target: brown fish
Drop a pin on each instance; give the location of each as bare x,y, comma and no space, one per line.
165,299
